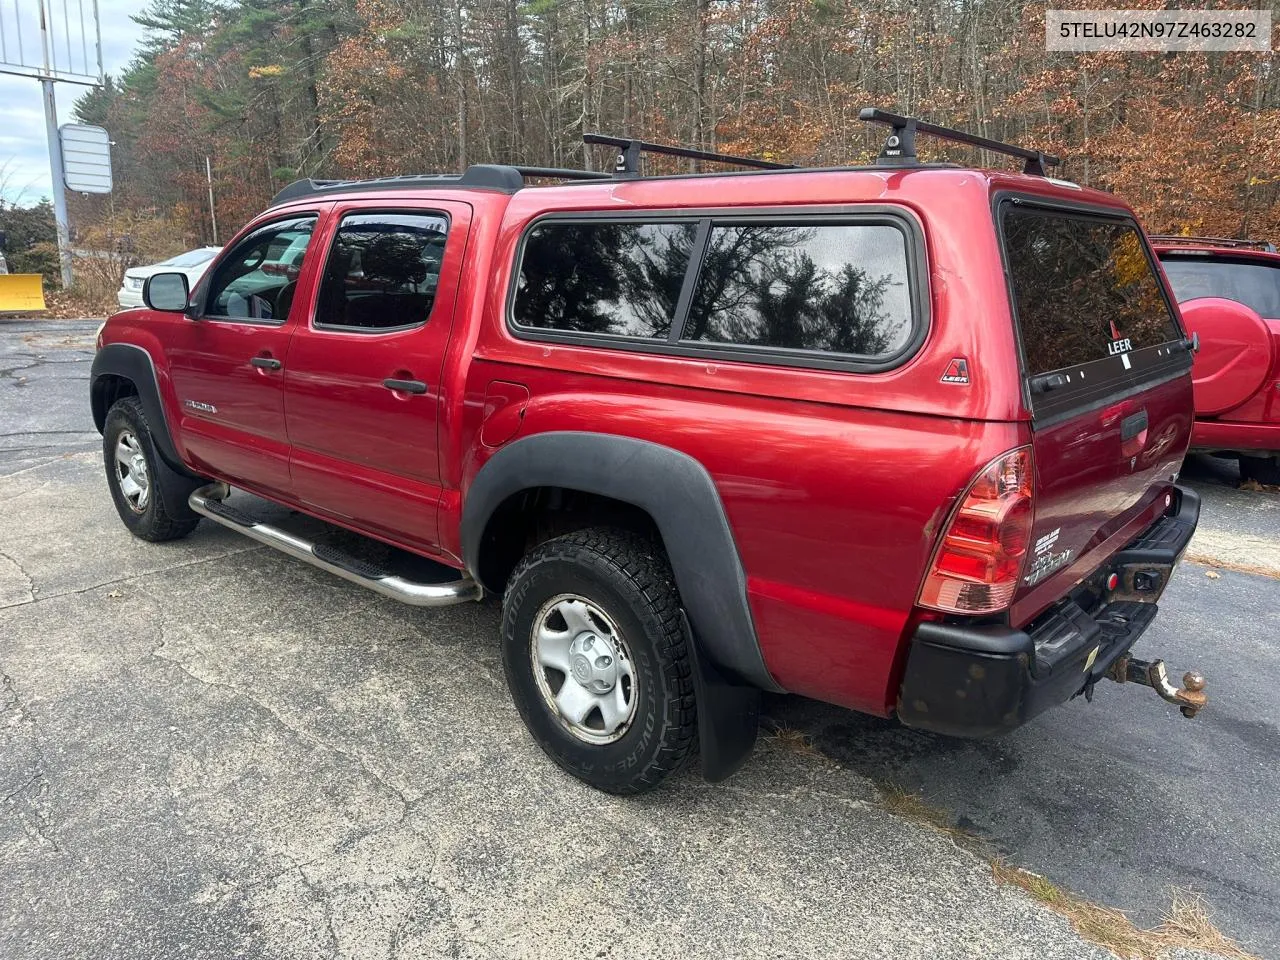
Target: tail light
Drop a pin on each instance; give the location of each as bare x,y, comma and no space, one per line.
979,559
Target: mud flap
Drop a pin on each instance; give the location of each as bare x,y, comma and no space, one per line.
175,487
728,715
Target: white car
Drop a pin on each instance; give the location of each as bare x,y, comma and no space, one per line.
193,263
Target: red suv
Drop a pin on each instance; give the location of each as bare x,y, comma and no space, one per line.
1230,294
901,437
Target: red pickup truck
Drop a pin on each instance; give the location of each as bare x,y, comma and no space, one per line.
901,437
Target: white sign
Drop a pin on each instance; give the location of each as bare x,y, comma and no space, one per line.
86,158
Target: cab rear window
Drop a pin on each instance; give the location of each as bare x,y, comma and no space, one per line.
1084,289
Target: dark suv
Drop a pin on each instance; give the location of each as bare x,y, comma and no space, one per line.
901,437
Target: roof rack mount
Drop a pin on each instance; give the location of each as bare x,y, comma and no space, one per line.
627,165
900,148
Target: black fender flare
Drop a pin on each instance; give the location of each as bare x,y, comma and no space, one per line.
134,364
675,490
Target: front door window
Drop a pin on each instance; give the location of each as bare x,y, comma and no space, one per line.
257,280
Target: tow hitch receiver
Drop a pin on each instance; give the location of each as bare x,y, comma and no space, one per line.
1189,697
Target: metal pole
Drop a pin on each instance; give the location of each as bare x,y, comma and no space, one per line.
97,23
55,158
22,58
208,174
66,34
59,188
84,39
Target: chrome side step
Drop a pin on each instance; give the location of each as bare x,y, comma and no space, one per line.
208,501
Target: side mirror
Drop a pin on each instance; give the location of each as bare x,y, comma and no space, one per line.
167,292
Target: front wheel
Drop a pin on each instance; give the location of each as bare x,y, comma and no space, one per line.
597,661
142,486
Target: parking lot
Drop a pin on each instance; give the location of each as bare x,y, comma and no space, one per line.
208,749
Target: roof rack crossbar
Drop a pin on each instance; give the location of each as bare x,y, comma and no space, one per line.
627,164
1264,245
900,148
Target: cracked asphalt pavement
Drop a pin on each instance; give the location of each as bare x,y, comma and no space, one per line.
208,749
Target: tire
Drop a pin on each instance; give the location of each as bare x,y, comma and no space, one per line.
150,514
613,596
1262,469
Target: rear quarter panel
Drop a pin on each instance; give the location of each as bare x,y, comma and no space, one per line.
835,483
833,509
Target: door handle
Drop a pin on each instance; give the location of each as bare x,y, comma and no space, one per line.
405,386
267,363
1133,425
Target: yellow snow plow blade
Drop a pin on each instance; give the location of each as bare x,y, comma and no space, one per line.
21,292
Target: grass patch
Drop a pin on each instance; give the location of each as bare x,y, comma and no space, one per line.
1257,487
1235,567
1187,923
795,741
911,806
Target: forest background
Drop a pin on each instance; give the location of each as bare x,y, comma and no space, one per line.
274,90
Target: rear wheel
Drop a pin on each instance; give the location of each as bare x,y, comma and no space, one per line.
1262,469
597,661
140,482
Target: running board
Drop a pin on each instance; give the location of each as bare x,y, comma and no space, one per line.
208,501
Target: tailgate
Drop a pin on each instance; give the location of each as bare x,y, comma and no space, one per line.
1108,375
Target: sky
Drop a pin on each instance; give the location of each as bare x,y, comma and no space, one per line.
24,151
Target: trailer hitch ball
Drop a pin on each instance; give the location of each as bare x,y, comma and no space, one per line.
1189,698
1193,687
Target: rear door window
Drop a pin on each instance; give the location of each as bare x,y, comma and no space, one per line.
1256,285
382,271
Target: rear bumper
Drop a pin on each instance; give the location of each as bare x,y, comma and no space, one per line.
980,680
1254,438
